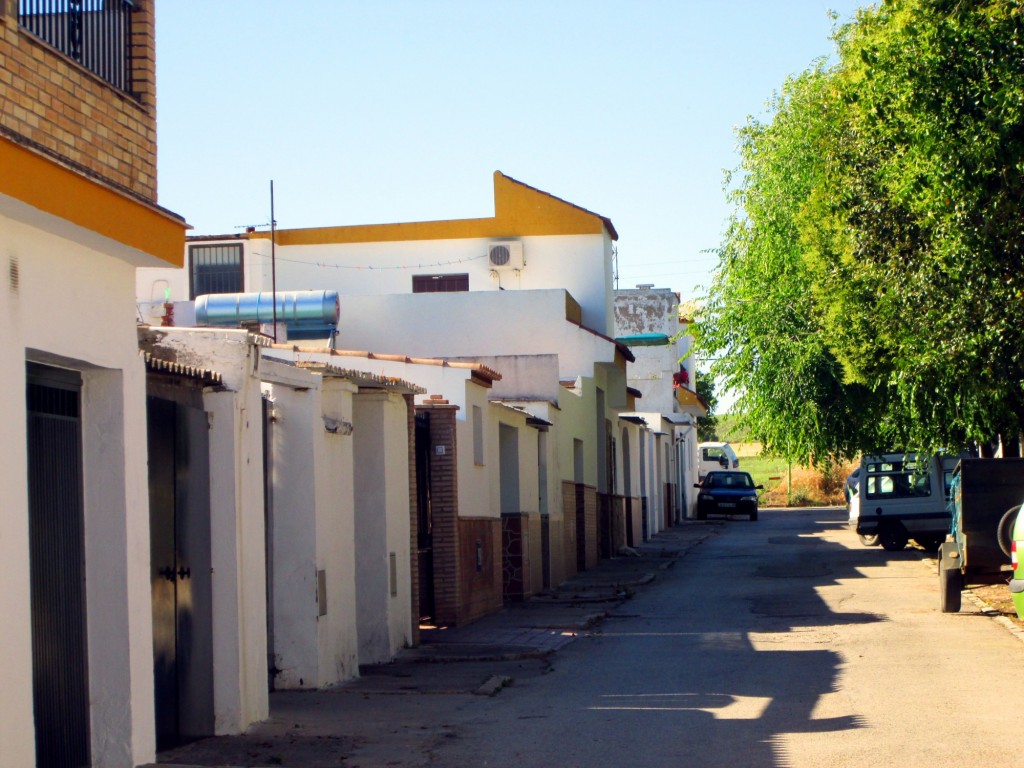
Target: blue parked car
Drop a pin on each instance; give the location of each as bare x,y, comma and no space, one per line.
727,493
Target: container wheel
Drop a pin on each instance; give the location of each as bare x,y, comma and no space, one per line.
1005,530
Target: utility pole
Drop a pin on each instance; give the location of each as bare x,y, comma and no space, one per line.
273,259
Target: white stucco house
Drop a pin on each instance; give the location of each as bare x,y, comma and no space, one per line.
532,282
650,322
76,685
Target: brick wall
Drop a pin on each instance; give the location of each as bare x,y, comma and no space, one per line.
591,545
569,567
51,103
481,586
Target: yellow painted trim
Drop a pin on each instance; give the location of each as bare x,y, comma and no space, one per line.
54,189
520,211
689,400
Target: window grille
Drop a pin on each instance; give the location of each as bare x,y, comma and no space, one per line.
95,33
215,269
440,283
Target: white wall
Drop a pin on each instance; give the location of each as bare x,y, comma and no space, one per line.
314,528
236,518
468,325
580,264
382,525
58,278
336,535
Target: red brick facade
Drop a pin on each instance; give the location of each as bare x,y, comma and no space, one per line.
53,104
479,567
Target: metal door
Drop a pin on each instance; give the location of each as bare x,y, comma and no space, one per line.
180,572
424,523
60,686
268,532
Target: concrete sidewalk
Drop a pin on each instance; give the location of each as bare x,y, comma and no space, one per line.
395,713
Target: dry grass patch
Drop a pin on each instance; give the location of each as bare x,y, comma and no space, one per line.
811,487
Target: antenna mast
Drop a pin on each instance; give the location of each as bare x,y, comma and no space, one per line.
273,258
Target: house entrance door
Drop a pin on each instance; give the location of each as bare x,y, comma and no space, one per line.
60,678
424,527
180,571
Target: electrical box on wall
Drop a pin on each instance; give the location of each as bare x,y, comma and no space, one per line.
439,450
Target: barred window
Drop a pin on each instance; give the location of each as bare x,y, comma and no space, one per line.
215,269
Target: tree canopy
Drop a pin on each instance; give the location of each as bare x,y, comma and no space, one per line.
869,290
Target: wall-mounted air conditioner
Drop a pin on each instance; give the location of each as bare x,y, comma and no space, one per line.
505,255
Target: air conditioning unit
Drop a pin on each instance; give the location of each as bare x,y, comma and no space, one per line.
506,255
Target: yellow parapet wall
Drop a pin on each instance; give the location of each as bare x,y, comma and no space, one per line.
54,189
520,211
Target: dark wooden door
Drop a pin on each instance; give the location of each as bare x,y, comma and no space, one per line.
180,578
424,523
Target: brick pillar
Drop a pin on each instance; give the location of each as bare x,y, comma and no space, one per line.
444,504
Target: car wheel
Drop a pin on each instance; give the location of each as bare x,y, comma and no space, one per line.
702,514
868,539
753,516
950,586
1005,530
893,539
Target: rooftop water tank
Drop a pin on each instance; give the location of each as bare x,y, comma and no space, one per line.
306,314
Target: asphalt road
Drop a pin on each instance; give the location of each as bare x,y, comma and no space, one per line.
781,642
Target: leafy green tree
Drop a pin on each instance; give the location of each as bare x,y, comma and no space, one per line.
869,285
707,426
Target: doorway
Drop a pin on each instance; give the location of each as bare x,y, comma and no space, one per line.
56,509
180,571
424,520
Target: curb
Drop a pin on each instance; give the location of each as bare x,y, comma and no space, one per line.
992,612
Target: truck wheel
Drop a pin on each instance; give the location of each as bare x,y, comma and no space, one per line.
950,586
1005,530
868,540
893,538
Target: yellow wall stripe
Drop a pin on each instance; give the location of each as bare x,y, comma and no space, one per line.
54,189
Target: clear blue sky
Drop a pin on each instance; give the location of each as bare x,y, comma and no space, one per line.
376,111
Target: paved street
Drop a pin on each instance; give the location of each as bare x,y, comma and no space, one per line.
776,643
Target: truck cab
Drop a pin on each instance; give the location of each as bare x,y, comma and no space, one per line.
715,456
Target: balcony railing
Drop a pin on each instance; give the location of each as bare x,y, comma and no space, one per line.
95,33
